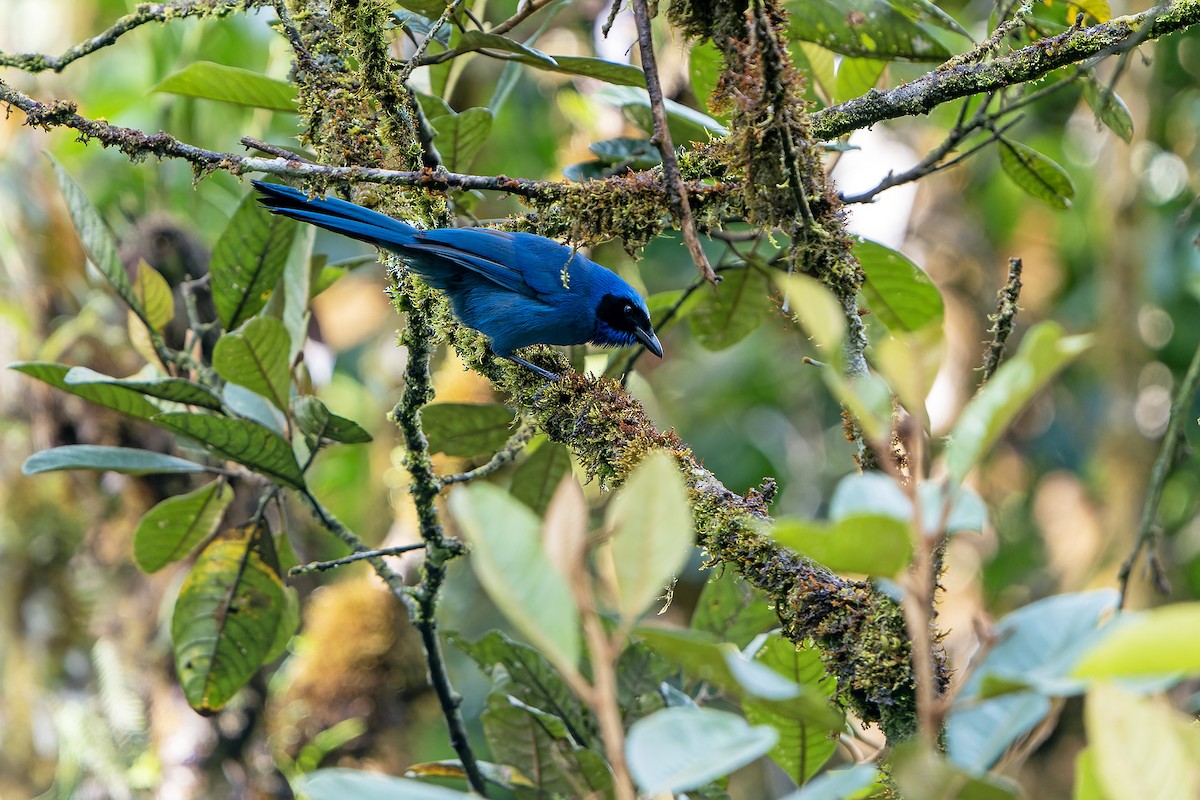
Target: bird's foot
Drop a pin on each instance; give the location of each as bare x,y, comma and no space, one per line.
545,373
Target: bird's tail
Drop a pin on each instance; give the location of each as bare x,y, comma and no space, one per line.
338,216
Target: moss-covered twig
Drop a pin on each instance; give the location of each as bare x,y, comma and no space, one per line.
505,455
1002,320
354,558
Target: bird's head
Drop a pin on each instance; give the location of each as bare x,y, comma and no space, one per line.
622,319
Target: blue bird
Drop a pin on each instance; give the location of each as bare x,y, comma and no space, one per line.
517,289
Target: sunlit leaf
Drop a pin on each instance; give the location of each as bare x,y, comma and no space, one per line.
256,356
897,290
127,460
154,294
817,311
225,619
509,561
1143,748
466,429
855,76
1036,174
1146,643
677,749
173,527
871,544
248,259
652,534
240,440
1043,352
229,85
460,136
1098,10
733,310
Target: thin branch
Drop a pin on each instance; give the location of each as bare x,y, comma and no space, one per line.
1148,529
148,12
414,62
1002,320
1073,46
321,566
250,143
676,189
505,455
530,8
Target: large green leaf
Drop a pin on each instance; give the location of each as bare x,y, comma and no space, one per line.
897,290
341,783
1043,352
240,440
1146,643
225,619
677,749
802,748
509,561
127,460
871,544
652,535
318,422
118,398
96,238
864,28
732,610
613,72
460,136
177,390
817,310
533,680
289,301
229,85
466,429
478,40
538,475
247,261
1143,748
733,309
169,530
542,748
1036,174
686,124
257,357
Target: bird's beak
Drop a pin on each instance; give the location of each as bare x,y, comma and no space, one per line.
648,338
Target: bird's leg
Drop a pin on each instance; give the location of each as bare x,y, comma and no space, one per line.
545,373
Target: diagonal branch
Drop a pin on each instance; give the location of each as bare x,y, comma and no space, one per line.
1073,46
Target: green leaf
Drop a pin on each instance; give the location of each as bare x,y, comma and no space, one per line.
533,680
154,294
290,298
613,72
910,363
927,13
871,544
96,238
341,783
733,310
723,666
225,619
511,565
127,460
848,783
460,136
1108,107
175,390
289,623
1087,777
627,151
924,773
677,749
863,28
466,429
1142,747
855,76
319,422
422,26
118,398
704,69
1034,646
802,748
897,290
240,440
235,85
247,261
1036,174
652,534
1145,643
256,357
169,530
253,406
1043,352
542,748
474,40
538,476
688,124
817,311
732,610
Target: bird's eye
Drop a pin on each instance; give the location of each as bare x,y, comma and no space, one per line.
628,310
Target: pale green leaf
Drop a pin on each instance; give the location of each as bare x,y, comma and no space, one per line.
817,310
1146,643
211,81
682,748
256,357
871,544
127,460
118,398
1108,107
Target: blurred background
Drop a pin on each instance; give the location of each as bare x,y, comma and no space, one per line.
87,693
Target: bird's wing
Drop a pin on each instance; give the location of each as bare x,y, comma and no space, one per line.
520,262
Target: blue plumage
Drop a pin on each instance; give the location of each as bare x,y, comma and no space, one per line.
508,286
